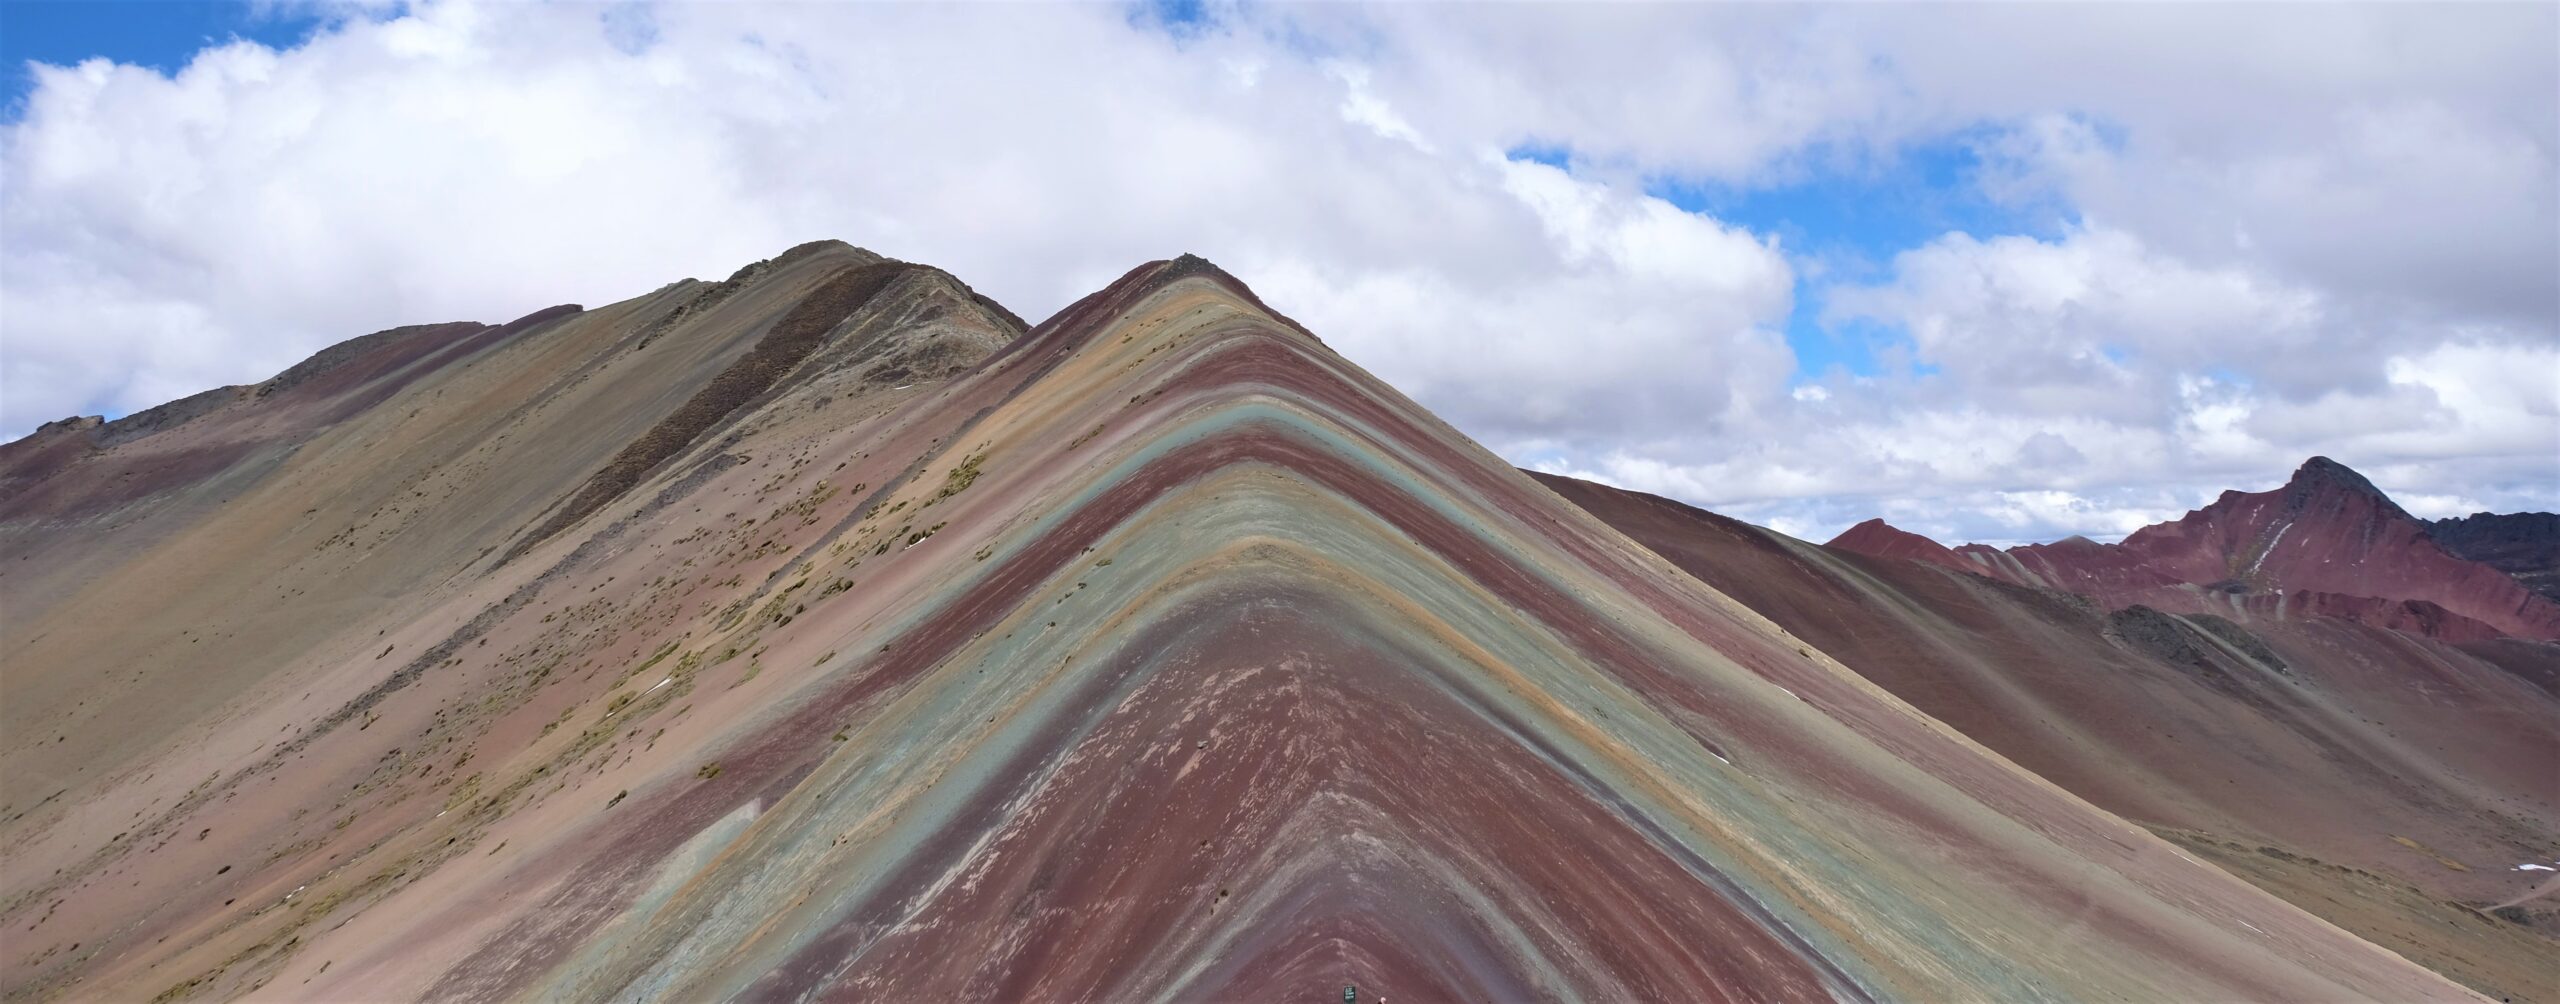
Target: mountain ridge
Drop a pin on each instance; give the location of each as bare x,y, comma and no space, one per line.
1158,651
2525,545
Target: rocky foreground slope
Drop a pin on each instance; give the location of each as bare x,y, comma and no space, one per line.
812,635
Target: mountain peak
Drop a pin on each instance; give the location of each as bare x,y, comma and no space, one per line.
2324,472
1157,274
2322,481
822,246
825,247
1871,526
1188,265
1879,539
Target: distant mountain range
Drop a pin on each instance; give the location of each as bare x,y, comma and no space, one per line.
2326,543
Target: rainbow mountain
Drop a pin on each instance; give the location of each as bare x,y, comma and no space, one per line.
827,633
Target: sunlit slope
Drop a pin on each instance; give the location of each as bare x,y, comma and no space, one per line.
1164,655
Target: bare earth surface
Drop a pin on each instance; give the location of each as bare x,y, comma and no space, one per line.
822,634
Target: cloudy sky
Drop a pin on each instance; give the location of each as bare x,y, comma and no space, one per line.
1994,272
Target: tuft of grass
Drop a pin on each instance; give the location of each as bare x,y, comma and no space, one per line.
960,478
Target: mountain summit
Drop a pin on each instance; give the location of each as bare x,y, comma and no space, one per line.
812,635
2321,474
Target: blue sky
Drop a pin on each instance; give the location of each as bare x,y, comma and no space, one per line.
161,34
1844,216
1841,216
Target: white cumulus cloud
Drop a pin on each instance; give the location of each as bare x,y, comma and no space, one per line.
2330,229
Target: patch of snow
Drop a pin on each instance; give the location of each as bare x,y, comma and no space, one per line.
660,683
2271,549
2531,866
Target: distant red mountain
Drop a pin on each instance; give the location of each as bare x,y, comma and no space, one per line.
2326,543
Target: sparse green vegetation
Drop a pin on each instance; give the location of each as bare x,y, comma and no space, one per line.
662,654
960,478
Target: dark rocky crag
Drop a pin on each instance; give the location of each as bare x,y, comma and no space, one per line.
2523,544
